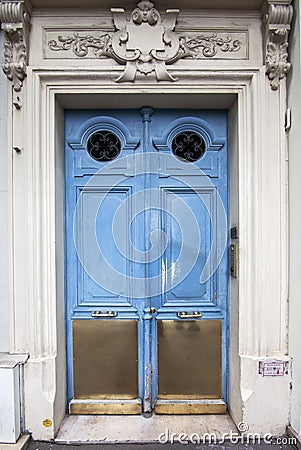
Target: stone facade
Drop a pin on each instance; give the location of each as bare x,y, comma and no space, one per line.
235,59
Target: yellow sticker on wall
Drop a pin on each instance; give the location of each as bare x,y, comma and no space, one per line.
47,423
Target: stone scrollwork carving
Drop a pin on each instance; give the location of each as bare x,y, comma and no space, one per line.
194,45
276,21
15,19
80,44
145,43
207,44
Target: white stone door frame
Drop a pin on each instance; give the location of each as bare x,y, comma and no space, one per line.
258,182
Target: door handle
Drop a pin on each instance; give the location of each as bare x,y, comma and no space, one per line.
189,314
104,314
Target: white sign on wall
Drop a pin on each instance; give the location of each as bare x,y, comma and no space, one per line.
273,368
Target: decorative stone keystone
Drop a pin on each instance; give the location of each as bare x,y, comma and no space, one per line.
15,19
145,42
277,17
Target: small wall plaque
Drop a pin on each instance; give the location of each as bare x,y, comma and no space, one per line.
273,368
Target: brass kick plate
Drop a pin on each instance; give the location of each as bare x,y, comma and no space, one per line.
205,407
106,408
105,358
189,359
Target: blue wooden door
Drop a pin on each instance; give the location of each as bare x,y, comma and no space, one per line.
146,261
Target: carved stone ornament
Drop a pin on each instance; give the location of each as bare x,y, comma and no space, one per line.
276,21
145,43
208,45
15,19
193,46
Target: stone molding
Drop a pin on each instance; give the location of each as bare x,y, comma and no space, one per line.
129,46
277,18
15,19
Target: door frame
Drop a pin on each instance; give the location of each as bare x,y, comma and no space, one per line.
243,92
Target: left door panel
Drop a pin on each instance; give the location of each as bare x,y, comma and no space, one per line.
102,354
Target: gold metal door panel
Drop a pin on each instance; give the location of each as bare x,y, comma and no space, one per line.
189,367
105,359
190,407
105,407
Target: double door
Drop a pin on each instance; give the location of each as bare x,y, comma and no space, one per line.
146,261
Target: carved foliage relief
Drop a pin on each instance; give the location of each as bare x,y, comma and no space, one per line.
15,25
276,21
197,45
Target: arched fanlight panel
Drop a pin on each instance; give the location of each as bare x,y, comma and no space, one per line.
188,138
104,138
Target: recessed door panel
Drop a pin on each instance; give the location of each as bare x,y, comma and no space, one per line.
190,258
96,245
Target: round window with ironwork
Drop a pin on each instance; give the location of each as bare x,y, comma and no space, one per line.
103,146
188,146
